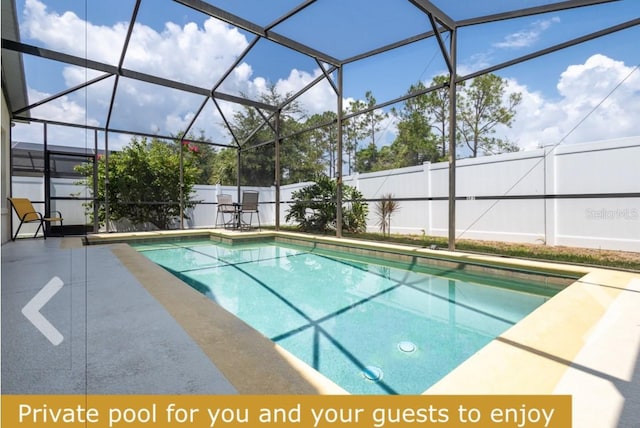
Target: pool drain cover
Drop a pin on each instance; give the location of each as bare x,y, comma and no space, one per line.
372,373
407,347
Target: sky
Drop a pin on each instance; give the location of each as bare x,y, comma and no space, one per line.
581,94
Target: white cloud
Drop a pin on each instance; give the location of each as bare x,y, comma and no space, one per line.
318,99
60,32
197,54
528,36
62,109
193,54
593,105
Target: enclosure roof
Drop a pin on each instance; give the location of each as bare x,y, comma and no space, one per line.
12,67
313,38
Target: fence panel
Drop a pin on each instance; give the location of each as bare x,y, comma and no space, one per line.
584,195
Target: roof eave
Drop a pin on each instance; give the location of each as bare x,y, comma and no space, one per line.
12,64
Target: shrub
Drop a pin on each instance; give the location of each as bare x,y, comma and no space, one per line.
144,182
314,209
384,210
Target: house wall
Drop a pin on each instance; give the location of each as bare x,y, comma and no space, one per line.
5,173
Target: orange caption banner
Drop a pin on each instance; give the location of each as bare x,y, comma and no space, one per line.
286,411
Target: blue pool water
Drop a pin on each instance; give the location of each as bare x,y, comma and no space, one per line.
372,328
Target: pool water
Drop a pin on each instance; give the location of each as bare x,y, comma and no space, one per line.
371,327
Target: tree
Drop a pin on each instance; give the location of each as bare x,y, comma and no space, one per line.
298,158
224,167
482,107
353,131
314,208
325,138
144,181
367,158
205,161
370,121
257,163
360,127
415,142
437,107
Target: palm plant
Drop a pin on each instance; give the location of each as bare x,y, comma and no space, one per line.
385,207
314,207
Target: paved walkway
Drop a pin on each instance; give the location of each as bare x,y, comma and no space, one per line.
117,339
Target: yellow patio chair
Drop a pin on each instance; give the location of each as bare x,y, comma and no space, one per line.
27,214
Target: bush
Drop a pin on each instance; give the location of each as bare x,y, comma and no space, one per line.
144,182
314,209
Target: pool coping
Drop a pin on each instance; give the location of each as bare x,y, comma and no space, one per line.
390,251
529,358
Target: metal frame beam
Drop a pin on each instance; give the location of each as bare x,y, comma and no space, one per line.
58,56
328,76
443,49
339,139
136,75
430,9
62,94
110,130
310,85
289,14
391,46
520,13
353,114
114,91
452,141
249,26
440,21
554,48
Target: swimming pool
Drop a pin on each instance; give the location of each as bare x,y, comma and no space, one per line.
373,327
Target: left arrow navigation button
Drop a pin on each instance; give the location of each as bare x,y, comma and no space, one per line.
32,310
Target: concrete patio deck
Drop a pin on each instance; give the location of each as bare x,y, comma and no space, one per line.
130,327
117,338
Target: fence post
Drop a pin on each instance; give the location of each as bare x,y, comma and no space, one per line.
426,172
550,188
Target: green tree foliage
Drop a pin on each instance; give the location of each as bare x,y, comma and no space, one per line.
224,167
372,158
352,132
299,159
415,142
205,161
314,209
257,167
481,107
370,123
144,181
325,138
423,123
368,159
437,108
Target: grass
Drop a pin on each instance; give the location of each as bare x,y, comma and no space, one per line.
584,256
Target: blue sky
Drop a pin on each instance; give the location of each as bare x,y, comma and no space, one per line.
181,44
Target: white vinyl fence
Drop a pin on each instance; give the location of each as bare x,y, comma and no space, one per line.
585,195
582,195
